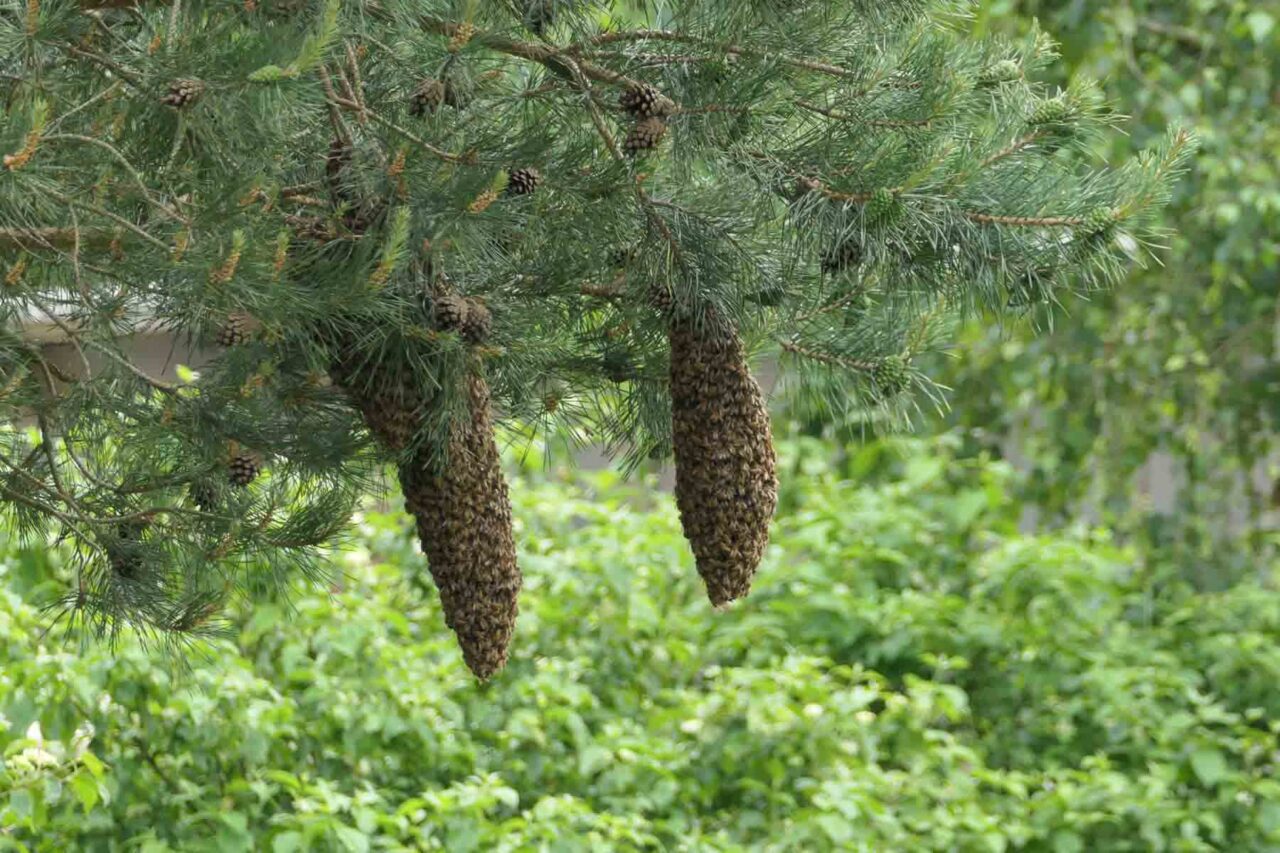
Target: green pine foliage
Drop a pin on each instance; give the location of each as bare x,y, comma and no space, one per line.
324,172
913,676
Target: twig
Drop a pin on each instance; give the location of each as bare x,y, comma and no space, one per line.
546,55
468,159
612,290
358,84
1026,221
158,384
646,203
1187,36
856,364
128,167
71,336
39,505
1015,147
731,49
109,64
171,34
875,122
50,238
335,114
833,305
105,93
119,220
351,94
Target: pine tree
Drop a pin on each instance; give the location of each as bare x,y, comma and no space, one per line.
342,196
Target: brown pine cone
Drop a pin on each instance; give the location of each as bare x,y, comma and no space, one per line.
523,181
183,93
645,135
644,101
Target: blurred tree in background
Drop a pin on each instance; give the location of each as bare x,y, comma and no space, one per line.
1182,359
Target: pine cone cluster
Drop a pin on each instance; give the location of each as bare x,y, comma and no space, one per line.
124,549
618,365
726,479
183,93
619,258
478,324
523,181
449,312
242,470
650,109
203,495
883,206
661,298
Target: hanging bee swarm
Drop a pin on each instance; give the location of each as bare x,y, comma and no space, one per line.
726,477
462,510
464,523
477,323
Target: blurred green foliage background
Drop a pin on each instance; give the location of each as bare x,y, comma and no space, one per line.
1180,362
910,674
912,671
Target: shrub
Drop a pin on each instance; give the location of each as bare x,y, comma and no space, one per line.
911,674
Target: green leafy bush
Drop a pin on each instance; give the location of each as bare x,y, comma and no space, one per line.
911,674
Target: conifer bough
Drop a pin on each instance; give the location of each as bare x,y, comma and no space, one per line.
388,228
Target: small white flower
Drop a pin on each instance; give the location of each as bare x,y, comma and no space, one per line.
690,727
813,710
865,717
37,755
80,740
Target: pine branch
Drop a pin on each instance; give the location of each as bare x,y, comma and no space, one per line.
1026,221
30,239
1016,146
854,364
128,167
545,55
728,49
646,203
839,116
